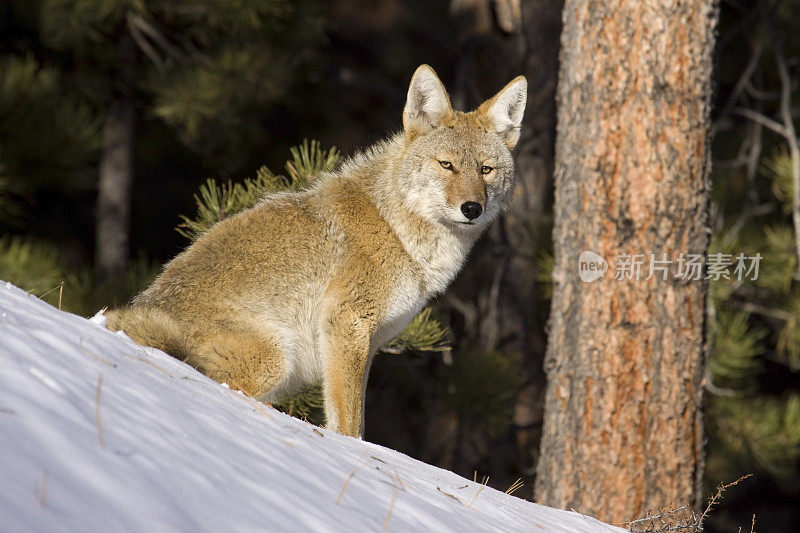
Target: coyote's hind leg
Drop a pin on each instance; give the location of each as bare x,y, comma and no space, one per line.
245,360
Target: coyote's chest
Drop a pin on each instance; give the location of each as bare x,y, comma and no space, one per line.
406,300
439,256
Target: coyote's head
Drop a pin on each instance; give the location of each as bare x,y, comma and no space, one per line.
457,167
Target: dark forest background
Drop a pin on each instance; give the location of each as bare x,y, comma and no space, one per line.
221,88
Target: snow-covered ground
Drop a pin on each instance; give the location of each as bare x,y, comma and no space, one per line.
100,434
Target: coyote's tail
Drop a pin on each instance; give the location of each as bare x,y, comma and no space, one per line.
150,327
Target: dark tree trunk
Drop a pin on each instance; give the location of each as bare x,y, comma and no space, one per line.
623,429
116,171
494,301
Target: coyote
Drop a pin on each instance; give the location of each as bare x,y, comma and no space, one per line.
308,285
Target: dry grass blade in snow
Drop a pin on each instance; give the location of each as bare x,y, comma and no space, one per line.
391,507
518,484
97,411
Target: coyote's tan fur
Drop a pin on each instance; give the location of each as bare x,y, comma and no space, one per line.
308,285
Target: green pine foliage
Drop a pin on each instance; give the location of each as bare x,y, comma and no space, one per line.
202,94
208,69
308,161
482,388
216,201
7,206
423,334
222,61
737,352
50,140
754,333
30,265
42,269
762,433
307,405
778,167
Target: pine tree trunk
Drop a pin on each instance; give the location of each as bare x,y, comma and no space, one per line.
493,297
623,430
116,172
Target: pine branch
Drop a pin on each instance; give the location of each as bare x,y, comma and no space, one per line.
423,334
216,202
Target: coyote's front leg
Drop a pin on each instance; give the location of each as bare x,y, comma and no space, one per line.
346,351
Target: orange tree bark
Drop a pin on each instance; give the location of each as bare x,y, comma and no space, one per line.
623,429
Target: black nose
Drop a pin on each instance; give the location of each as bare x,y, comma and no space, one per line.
471,210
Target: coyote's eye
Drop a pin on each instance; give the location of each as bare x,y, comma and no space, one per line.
446,165
485,169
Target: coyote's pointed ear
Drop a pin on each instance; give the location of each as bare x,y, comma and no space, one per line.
427,104
505,109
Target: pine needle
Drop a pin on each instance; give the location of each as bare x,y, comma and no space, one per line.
391,507
449,495
518,484
216,202
97,411
145,361
346,483
483,486
40,488
423,334
94,355
397,474
59,286
257,406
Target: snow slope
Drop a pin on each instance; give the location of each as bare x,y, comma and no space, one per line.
100,434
